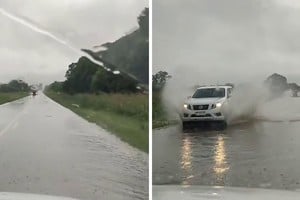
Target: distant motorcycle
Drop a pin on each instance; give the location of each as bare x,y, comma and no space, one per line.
34,93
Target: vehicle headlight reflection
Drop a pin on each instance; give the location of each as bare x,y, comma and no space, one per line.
186,159
221,166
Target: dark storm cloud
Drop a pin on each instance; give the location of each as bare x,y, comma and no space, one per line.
82,23
228,40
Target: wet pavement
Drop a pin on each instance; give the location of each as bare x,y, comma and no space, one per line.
257,154
47,149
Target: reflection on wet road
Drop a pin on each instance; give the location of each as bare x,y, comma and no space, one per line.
47,149
258,154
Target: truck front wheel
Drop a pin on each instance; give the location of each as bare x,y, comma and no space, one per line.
184,125
222,125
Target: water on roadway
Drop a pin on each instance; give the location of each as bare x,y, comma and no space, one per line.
258,154
47,149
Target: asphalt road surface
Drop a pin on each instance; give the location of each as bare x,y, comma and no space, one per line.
257,154
47,149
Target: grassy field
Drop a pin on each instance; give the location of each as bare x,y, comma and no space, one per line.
122,114
11,96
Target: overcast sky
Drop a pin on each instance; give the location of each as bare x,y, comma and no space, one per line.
28,53
227,40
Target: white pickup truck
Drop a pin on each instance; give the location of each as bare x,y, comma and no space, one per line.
208,103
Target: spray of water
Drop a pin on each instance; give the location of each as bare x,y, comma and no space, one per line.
255,102
250,101
283,109
245,102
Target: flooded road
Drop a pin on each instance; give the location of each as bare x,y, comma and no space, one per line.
47,149
258,154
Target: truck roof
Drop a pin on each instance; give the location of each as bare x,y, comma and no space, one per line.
215,86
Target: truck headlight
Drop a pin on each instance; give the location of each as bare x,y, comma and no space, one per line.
187,106
218,105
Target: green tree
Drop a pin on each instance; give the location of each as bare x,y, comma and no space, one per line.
100,82
159,80
56,86
110,83
79,76
15,86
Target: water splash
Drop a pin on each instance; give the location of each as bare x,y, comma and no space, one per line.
249,102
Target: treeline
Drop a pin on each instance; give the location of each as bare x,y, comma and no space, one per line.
15,86
278,84
88,77
159,80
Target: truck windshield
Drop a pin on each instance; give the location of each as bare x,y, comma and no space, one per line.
209,93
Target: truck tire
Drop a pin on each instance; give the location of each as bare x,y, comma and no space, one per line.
222,125
184,125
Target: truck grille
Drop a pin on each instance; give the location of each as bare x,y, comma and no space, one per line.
200,107
206,115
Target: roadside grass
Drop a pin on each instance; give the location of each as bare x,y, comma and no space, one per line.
125,115
160,117
11,96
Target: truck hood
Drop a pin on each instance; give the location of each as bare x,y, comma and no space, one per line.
22,196
194,101
220,193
